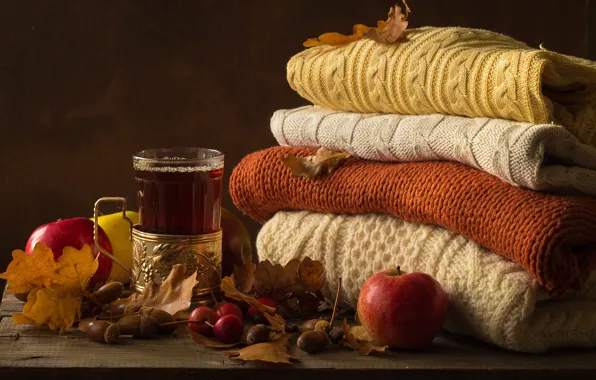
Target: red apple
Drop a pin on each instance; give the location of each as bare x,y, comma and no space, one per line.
202,314
228,329
402,310
74,232
228,308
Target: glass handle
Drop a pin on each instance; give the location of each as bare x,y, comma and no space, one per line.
96,227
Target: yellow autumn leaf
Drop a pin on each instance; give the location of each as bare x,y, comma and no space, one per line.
335,39
388,31
48,307
75,269
27,272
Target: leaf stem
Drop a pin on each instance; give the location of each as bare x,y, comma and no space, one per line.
115,316
210,290
336,303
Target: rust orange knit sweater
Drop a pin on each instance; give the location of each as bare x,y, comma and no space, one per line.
553,237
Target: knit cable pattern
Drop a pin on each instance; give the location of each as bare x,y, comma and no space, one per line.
490,298
551,236
535,156
453,71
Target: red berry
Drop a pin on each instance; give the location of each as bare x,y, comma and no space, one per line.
228,308
228,329
202,314
256,314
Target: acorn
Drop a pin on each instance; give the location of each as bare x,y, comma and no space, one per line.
108,293
103,332
336,335
313,341
131,308
163,318
322,325
309,325
138,326
117,309
258,334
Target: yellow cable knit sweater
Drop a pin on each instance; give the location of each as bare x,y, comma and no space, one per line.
455,71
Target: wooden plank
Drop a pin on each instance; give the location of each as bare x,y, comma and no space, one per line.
36,351
10,305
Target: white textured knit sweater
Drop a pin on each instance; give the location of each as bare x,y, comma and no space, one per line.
535,156
490,298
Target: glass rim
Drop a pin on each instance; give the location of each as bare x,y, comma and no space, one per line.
177,157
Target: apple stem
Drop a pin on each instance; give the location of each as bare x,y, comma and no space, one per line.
399,270
336,303
208,324
179,322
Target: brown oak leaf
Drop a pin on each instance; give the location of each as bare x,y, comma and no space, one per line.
360,333
172,296
364,347
291,281
276,320
391,30
228,287
323,162
311,275
210,342
269,278
244,276
273,351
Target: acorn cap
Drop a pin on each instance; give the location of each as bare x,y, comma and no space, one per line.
162,317
112,334
149,326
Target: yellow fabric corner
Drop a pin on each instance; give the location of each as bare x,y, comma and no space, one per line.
454,71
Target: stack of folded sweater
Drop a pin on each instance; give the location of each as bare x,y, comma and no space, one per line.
473,160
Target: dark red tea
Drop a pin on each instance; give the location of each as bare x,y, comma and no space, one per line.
179,199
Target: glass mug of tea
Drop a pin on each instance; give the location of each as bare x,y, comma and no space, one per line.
179,197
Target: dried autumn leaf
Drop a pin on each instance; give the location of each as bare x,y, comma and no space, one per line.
274,351
244,276
47,307
391,30
27,272
363,347
75,269
268,278
311,275
360,333
323,162
210,342
228,287
172,296
291,281
276,321
335,39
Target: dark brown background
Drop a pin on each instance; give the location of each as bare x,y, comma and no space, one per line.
85,84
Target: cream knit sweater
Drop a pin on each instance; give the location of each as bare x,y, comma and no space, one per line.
452,71
535,156
490,298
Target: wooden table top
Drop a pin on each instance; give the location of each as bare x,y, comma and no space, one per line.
30,352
